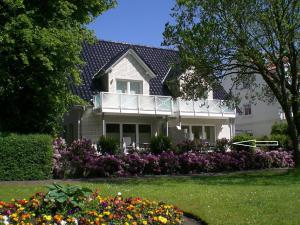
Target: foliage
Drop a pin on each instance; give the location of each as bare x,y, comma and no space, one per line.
93,209
245,40
184,163
60,162
283,140
160,144
186,145
108,145
222,144
63,198
279,128
40,45
81,154
241,137
25,157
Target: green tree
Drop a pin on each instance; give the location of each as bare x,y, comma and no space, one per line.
217,38
40,45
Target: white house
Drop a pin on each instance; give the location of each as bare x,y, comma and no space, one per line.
129,100
255,117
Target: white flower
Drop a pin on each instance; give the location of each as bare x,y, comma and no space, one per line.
119,193
63,222
76,221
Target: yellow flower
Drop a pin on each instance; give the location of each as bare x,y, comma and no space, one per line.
129,216
145,222
163,219
48,217
107,213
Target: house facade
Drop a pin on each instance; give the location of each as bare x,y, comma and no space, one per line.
125,86
255,116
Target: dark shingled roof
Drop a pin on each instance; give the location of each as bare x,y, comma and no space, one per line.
103,53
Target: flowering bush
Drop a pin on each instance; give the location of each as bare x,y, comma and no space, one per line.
88,163
94,209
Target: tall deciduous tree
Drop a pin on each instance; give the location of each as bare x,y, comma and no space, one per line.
244,38
40,45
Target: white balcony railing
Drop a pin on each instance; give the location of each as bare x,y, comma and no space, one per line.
209,107
159,105
133,103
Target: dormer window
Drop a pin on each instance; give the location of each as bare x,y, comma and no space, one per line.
129,87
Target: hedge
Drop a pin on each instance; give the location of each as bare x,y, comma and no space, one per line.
25,157
80,159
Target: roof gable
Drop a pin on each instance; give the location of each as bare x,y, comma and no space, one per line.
133,53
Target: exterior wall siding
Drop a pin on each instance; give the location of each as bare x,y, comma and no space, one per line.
263,115
128,69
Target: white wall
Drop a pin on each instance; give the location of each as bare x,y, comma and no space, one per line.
263,115
128,69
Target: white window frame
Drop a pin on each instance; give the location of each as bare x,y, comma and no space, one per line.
136,130
128,89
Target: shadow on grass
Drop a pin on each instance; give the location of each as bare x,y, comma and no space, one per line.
272,177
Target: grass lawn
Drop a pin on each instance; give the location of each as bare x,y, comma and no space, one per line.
267,197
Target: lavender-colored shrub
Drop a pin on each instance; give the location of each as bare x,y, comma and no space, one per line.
134,164
152,164
80,153
109,165
80,159
169,163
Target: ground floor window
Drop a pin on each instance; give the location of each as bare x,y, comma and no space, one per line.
144,134
130,134
113,131
199,133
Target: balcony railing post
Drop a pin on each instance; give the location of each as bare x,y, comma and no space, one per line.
101,99
120,98
155,102
194,108
138,103
172,105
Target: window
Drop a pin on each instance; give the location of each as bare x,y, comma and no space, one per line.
247,109
129,87
113,131
144,133
135,87
129,131
121,86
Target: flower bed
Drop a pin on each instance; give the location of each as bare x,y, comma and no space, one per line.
83,209
89,163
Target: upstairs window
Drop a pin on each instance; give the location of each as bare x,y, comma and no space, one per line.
129,87
247,109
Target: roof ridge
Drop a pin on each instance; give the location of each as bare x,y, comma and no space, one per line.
137,45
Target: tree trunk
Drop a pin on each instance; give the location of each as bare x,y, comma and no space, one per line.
293,133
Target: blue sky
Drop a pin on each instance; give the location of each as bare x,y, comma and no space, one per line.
134,21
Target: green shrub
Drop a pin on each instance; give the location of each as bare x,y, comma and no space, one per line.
25,157
108,145
242,137
160,144
279,128
283,140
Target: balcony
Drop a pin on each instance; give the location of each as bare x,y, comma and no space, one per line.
133,103
203,108
159,105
